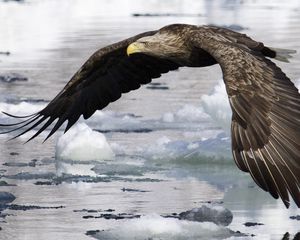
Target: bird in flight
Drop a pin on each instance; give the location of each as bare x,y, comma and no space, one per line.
265,128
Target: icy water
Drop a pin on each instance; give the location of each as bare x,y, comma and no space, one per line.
160,150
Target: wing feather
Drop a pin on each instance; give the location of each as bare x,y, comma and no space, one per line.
266,112
107,74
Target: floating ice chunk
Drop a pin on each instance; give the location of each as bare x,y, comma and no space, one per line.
216,105
20,109
82,143
168,117
117,148
165,148
156,227
162,141
193,146
206,213
215,148
113,121
188,113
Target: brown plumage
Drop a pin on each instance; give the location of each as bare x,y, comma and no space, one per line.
265,103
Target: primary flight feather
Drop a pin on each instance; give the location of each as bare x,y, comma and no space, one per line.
265,104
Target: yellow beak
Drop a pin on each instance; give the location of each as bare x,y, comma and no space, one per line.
134,48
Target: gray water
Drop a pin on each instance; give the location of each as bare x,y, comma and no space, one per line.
49,41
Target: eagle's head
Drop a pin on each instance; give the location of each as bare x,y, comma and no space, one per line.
168,43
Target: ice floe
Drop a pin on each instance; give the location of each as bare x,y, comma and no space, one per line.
81,143
216,148
207,213
187,113
19,109
114,121
156,227
216,105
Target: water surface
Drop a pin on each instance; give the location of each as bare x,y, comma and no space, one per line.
151,131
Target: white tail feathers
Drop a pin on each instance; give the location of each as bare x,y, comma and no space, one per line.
283,55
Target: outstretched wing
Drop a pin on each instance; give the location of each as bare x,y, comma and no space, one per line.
266,112
107,74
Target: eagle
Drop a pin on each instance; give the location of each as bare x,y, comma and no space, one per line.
265,127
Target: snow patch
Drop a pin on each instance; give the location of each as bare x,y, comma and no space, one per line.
81,143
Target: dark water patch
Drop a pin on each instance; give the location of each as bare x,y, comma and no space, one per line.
92,232
12,77
140,130
109,210
121,170
111,216
132,115
32,163
133,190
296,217
45,183
7,53
147,180
94,210
172,215
252,224
166,15
34,100
88,210
15,164
14,154
155,84
212,202
158,87
5,184
4,215
31,176
6,197
19,1
13,100
67,178
29,207
47,161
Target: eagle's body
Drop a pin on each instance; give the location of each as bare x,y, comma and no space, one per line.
265,103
